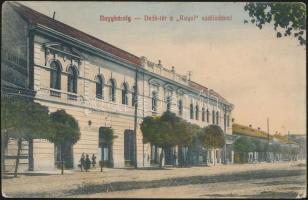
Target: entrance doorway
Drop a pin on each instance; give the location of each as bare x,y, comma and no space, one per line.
129,147
105,148
67,156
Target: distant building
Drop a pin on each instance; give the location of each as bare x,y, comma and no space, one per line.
95,82
269,142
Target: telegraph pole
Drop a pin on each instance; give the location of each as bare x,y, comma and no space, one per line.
135,120
267,138
289,145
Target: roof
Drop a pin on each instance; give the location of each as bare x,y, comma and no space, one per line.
197,86
238,129
33,17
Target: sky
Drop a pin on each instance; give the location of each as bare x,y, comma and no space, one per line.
263,76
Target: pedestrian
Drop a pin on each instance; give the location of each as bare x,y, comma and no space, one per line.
87,163
93,160
82,162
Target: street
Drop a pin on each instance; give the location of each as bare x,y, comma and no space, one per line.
261,180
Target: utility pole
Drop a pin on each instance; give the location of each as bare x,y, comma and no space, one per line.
289,145
267,138
135,122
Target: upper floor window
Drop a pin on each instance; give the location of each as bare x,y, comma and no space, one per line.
213,117
168,102
180,107
72,80
191,111
197,112
207,115
154,101
55,75
225,120
112,90
228,121
125,94
217,117
99,87
203,114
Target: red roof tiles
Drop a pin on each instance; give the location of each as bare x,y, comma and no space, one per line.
33,17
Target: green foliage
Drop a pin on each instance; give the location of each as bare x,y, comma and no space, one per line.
166,131
66,128
108,136
291,17
275,148
258,145
212,137
242,144
23,118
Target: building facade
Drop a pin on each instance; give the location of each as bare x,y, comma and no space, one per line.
99,84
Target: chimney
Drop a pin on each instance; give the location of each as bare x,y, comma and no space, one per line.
54,15
189,75
172,69
159,62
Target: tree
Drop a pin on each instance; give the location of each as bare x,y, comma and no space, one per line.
290,17
66,132
165,131
260,147
242,146
212,137
24,119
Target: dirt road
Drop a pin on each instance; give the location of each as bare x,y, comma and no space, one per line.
261,180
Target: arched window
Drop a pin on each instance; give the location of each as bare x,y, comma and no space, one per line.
99,87
217,117
55,75
154,101
197,112
72,80
203,114
124,94
213,117
191,111
112,91
207,115
168,102
180,107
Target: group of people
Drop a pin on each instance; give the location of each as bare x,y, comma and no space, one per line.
85,162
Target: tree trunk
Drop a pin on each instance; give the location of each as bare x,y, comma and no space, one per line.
214,156
17,157
31,164
161,158
61,160
180,156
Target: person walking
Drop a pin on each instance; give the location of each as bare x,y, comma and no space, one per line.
82,162
87,163
93,160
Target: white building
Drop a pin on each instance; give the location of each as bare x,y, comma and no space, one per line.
94,81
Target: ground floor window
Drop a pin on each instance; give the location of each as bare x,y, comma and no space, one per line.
129,147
